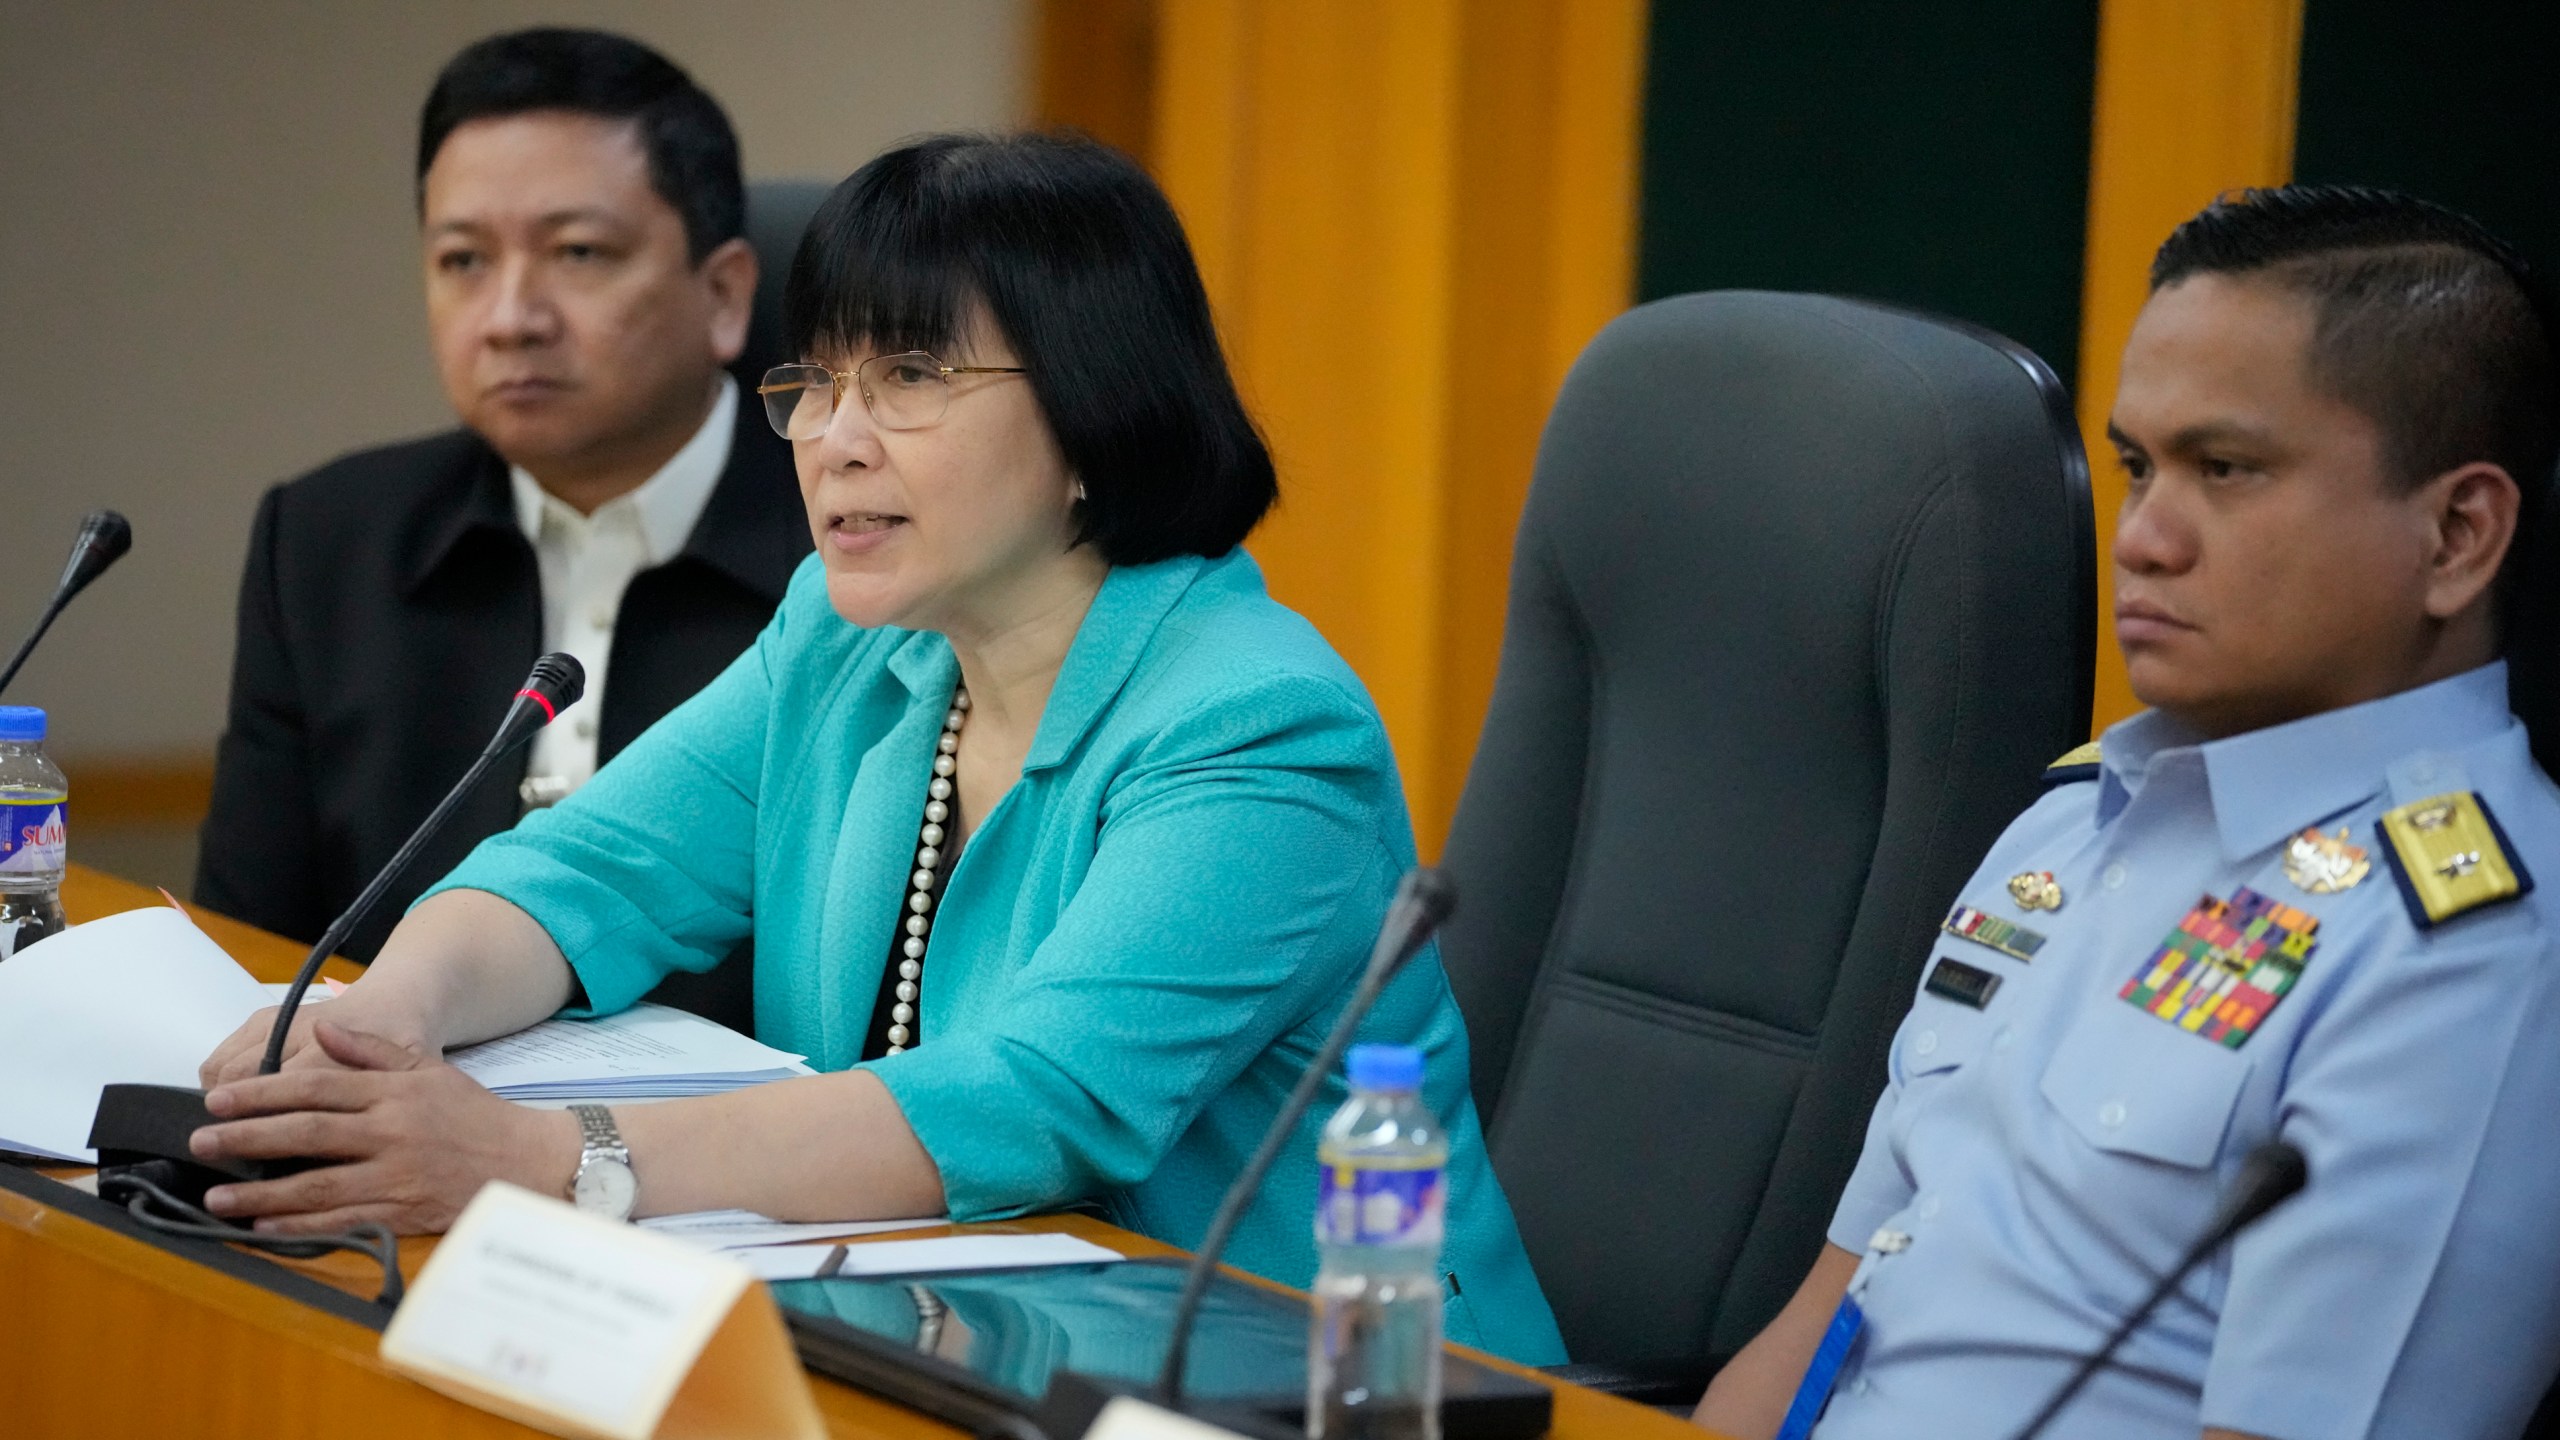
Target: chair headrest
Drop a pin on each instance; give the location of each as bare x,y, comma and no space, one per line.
778,213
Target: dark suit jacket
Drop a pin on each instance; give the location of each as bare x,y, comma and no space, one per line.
390,608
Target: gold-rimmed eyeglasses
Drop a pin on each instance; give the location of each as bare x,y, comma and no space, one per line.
903,392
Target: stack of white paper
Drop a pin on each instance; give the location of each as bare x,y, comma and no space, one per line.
648,1052
742,1229
142,997
145,996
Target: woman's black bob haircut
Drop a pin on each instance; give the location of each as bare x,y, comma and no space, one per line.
1081,264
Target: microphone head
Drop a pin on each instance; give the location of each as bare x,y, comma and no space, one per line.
558,679
104,537
1423,900
2271,1175
1431,893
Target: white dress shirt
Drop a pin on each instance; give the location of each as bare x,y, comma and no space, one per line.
588,560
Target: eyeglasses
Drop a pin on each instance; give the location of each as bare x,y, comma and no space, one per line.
903,392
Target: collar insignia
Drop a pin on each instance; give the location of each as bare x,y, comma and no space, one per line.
2325,864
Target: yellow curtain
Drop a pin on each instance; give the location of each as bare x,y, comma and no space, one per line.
1410,218
2194,97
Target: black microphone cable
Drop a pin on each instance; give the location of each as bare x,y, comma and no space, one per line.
154,1208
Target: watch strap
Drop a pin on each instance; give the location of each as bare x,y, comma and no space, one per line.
598,1136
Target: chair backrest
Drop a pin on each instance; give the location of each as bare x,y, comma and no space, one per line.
777,212
1802,603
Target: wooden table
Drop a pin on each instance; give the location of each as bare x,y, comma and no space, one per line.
105,1335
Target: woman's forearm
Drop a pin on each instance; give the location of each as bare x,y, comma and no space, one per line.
465,966
827,1147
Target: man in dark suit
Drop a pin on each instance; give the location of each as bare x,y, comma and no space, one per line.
608,494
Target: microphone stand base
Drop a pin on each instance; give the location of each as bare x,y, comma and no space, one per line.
145,1128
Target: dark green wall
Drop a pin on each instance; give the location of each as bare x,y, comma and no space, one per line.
1931,154
2455,100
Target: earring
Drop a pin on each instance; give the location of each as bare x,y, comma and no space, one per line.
1079,490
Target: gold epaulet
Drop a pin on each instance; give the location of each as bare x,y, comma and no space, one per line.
2450,858
2077,764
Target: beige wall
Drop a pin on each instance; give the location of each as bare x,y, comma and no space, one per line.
208,273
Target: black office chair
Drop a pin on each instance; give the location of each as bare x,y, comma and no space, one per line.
1802,604
778,212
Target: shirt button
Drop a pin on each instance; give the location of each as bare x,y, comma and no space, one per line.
1930,1207
586,729
1924,1043
2114,878
2112,1114
2001,1038
2424,772
600,618
1864,1386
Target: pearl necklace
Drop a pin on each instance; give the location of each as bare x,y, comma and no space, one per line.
937,809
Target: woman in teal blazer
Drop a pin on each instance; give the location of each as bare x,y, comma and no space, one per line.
1061,843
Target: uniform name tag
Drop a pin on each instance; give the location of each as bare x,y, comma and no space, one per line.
1952,979
2223,970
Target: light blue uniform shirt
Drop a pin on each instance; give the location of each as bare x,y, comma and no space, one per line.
1139,951
2051,1154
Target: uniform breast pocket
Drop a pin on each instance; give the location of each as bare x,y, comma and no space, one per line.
2137,1085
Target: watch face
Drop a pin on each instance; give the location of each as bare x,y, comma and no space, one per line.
605,1187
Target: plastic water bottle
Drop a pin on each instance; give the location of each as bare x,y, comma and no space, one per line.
1373,1360
33,799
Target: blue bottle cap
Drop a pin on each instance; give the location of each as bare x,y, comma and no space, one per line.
21,723
1386,1067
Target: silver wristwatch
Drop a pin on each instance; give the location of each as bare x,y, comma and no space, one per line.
604,1184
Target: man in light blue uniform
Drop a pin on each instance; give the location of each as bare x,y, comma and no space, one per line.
2291,901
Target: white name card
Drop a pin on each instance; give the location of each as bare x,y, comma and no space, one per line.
584,1327
1125,1417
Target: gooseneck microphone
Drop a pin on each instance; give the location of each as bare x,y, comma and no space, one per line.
555,684
2271,1175
102,541
141,1131
1423,901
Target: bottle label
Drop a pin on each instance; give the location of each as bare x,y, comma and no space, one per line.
32,836
1378,1205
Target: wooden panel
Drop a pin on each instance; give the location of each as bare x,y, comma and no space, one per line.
2192,100
132,791
1096,69
1410,218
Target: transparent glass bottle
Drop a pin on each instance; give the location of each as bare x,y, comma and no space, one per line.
34,800
1373,1357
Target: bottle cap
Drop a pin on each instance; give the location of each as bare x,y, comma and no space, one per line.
1386,1067
21,723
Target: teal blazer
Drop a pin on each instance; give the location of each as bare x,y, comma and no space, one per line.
1138,952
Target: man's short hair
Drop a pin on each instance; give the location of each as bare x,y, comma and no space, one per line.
693,154
2425,322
